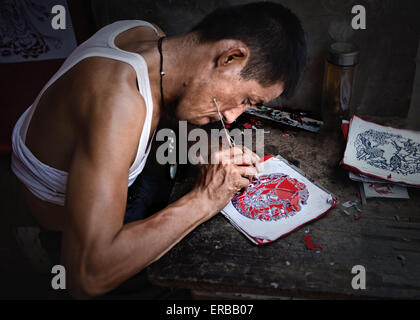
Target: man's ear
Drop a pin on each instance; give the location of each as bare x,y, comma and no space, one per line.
236,54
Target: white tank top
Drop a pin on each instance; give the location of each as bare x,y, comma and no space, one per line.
47,183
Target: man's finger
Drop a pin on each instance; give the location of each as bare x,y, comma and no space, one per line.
243,160
248,172
244,156
242,183
253,155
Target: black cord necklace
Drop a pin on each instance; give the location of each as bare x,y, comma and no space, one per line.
161,70
172,167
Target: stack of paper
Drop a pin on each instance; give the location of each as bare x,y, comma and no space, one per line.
384,159
281,200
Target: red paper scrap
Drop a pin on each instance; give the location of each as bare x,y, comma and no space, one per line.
247,125
357,217
381,188
309,244
345,129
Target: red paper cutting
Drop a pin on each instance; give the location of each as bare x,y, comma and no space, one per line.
271,197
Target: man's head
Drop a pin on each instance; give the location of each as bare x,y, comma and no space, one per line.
249,55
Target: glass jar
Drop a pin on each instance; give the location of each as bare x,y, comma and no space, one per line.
340,69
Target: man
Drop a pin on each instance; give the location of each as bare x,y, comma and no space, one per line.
88,132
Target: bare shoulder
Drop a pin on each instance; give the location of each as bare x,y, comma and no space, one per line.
110,86
113,111
160,31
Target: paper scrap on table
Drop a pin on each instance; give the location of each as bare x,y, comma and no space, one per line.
285,117
385,190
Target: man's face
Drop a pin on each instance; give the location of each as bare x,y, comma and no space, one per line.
233,94
233,97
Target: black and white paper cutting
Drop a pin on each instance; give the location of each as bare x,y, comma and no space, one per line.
28,30
383,152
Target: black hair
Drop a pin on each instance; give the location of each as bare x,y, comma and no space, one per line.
273,34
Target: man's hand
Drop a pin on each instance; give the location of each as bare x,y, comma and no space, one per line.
230,171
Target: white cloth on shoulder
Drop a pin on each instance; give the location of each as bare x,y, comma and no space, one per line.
47,183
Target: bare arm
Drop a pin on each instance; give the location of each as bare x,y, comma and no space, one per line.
99,252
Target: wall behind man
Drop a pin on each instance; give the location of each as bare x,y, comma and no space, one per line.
388,46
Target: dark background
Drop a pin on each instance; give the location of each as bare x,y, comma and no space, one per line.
388,46
385,81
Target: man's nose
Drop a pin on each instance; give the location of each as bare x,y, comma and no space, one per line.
232,114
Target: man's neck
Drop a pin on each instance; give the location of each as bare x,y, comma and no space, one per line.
178,66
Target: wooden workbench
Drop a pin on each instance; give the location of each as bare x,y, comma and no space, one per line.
217,260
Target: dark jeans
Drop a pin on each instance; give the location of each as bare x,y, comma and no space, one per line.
147,195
